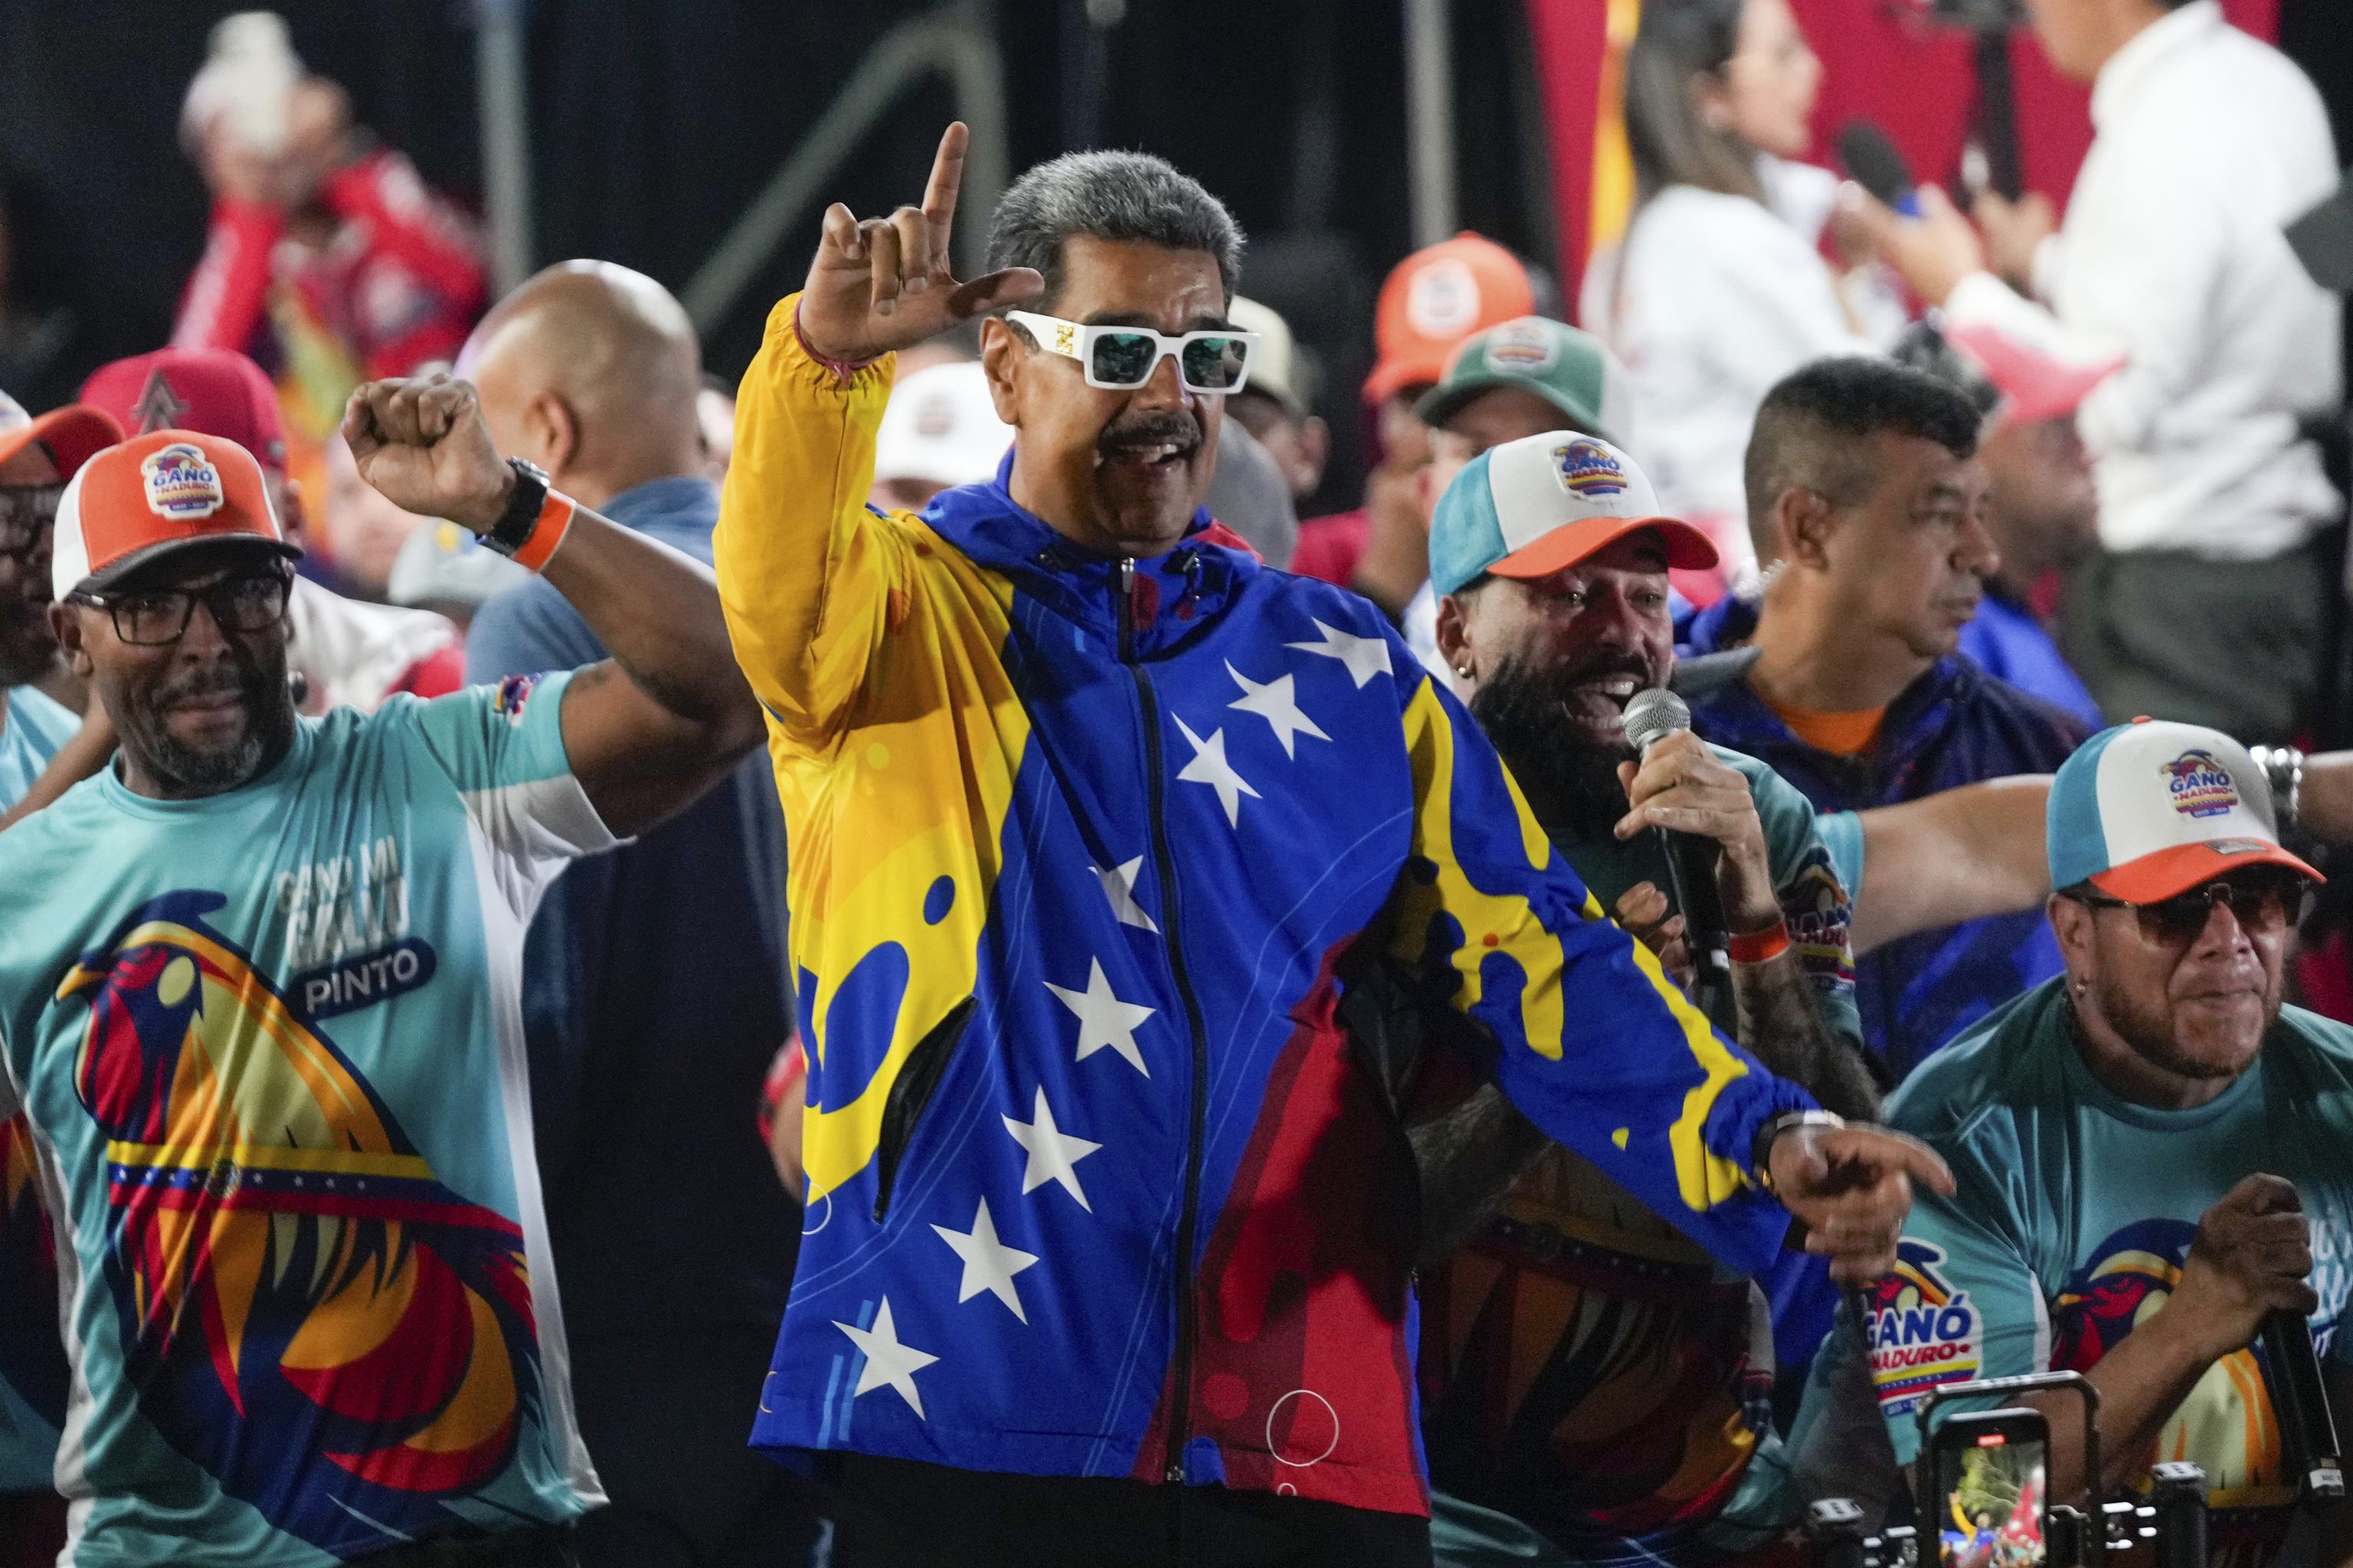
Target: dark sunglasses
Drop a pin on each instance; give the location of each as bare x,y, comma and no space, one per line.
2257,903
159,617
26,511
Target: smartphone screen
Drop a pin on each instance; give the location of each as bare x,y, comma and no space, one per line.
1990,1471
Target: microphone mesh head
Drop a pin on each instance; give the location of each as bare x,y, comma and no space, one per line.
1655,715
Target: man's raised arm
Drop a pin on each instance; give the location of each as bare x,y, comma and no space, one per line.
806,573
650,728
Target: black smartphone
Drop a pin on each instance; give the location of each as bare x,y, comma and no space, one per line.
1991,1470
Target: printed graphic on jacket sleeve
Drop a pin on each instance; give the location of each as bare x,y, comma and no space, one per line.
306,1311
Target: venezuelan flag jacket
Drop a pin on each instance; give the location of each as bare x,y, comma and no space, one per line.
1096,1186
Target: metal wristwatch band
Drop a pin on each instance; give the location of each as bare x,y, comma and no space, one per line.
1760,1154
2282,768
516,523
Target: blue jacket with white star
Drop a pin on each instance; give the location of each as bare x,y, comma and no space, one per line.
1080,850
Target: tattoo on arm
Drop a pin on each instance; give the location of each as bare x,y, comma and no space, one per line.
1781,1024
1469,1158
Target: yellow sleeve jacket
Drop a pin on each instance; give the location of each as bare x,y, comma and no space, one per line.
1077,847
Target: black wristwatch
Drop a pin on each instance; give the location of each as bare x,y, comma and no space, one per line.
1760,1153
515,526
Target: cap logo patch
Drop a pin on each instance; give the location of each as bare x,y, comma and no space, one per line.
1443,299
1520,348
2237,846
159,407
935,416
181,483
2200,787
1588,469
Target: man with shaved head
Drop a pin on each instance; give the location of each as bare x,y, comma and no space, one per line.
654,983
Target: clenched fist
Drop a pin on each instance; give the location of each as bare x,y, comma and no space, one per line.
422,441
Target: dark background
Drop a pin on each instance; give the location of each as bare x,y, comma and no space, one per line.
654,124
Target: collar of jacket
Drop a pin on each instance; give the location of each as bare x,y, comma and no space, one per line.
1734,715
1175,594
1718,627
679,500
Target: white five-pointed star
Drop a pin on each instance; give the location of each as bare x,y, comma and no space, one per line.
1103,1018
1053,1152
1209,766
1365,656
1273,703
1119,887
988,1263
887,1361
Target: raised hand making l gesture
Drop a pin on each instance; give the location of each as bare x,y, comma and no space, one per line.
884,283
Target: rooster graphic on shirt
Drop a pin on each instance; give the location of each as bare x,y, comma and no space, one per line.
305,1310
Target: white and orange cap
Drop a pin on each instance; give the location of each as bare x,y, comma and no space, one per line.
1540,504
153,495
70,435
2152,809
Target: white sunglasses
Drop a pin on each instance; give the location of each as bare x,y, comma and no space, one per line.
1122,358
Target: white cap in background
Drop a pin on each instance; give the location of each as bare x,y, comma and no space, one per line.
248,80
1277,368
941,426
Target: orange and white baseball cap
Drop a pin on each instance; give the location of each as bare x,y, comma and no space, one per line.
2152,809
1540,504
1433,300
152,495
71,434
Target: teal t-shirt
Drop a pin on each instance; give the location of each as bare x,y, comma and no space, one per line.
32,1381
270,1046
2075,1212
1815,900
32,727
1842,835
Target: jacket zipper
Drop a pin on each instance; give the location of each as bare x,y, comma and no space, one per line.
1180,1419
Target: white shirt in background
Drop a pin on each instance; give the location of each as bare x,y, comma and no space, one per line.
353,654
2209,142
1709,300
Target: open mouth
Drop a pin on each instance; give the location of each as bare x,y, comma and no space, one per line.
1616,689
1152,457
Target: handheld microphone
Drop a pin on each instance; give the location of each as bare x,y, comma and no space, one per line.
2301,1401
1650,716
1871,161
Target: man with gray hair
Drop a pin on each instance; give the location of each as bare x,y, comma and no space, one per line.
1098,826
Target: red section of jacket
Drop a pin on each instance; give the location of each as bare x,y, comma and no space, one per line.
1302,1366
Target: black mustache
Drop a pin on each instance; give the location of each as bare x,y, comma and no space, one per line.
1151,428
232,683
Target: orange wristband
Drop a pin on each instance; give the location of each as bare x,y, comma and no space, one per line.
1759,945
547,531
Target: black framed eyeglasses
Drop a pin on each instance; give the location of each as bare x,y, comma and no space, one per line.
27,512
2258,903
159,617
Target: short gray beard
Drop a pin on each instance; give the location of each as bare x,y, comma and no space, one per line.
200,774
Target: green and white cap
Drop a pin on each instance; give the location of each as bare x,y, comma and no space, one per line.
1531,507
1567,368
